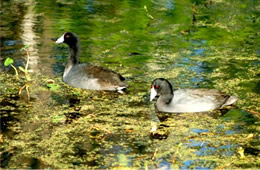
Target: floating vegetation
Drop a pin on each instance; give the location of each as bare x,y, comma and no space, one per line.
212,44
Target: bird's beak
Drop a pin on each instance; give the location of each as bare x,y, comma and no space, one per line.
60,40
153,94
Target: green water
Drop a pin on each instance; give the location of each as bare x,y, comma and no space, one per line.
194,44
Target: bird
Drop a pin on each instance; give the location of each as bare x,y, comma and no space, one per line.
86,75
187,100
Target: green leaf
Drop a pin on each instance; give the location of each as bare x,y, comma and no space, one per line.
8,61
76,93
22,69
57,118
53,86
25,47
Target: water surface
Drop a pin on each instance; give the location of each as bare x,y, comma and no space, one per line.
194,44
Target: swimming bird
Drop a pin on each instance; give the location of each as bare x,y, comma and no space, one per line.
86,75
187,100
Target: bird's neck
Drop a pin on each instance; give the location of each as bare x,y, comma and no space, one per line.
166,98
164,103
74,54
166,93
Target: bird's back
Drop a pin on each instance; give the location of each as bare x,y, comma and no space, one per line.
193,100
88,76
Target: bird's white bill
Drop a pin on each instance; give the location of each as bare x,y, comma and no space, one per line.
153,94
60,40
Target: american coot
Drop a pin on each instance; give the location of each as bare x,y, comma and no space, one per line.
187,100
88,76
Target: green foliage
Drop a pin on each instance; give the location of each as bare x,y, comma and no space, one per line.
8,61
26,84
25,48
107,130
22,69
57,118
53,86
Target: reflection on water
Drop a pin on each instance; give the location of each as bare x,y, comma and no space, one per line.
29,36
10,17
73,128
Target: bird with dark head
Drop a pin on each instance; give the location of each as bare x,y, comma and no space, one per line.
187,100
86,75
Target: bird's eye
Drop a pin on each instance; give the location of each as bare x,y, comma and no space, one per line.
157,87
67,36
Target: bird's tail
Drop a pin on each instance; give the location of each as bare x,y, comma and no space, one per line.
121,89
230,101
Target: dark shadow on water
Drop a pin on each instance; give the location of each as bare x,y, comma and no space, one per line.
252,151
35,163
9,113
159,136
239,115
71,116
5,157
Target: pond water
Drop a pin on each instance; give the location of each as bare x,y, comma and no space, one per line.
192,43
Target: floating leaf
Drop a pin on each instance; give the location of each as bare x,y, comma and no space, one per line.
57,118
76,93
53,86
8,61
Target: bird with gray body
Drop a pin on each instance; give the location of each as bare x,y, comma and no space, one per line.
187,100
86,75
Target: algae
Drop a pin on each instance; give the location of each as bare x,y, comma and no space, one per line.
65,127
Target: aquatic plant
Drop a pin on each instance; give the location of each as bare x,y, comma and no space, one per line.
10,61
27,80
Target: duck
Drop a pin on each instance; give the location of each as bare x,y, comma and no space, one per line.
86,75
187,100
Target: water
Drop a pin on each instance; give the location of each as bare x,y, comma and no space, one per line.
64,127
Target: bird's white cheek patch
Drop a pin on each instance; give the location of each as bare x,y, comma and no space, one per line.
60,40
153,94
